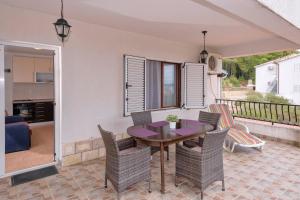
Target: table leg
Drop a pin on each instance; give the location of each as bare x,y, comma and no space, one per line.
162,168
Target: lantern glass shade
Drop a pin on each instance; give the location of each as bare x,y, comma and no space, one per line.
62,28
203,56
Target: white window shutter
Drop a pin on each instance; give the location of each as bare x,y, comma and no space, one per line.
194,85
134,86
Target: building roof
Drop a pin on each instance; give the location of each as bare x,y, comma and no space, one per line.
278,60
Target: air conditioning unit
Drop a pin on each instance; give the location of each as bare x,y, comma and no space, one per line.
297,88
271,67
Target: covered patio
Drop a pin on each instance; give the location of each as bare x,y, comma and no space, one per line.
249,174
110,38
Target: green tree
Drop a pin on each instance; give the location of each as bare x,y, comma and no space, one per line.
243,67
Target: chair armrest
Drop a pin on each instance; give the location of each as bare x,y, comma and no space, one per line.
13,119
187,154
135,154
241,127
126,143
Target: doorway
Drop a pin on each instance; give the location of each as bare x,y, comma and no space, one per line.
31,91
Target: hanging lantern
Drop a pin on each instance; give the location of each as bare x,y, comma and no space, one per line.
204,53
62,27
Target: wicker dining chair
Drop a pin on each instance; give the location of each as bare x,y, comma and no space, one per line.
206,117
202,165
144,118
126,164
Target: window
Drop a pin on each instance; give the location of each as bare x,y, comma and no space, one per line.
162,85
170,85
154,85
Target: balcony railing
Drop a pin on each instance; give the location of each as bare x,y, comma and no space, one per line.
263,111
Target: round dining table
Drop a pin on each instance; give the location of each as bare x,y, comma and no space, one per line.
159,134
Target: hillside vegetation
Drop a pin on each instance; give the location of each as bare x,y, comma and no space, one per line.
242,68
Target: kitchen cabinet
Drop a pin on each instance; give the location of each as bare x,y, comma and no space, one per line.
23,69
34,111
44,112
43,65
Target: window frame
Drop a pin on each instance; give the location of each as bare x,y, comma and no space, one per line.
177,76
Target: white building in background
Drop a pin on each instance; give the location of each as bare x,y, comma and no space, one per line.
281,76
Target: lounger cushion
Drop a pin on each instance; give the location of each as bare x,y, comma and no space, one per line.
226,120
243,137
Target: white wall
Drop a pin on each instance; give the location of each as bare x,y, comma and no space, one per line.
289,78
281,131
92,68
263,76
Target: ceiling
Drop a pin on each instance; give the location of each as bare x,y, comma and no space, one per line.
176,20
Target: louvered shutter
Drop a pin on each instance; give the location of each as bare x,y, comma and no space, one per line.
194,85
134,84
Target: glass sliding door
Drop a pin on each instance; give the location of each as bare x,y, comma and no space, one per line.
2,102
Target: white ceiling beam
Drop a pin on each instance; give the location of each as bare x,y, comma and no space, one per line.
257,47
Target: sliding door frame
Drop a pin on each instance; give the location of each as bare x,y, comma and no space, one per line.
57,104
2,102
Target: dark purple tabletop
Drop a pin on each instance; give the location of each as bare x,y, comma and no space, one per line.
161,131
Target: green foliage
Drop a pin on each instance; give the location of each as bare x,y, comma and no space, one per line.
254,96
243,67
269,98
272,98
172,118
231,82
226,83
234,81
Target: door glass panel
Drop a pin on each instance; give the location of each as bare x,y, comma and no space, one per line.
169,85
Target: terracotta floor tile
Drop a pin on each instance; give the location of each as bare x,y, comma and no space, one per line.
273,174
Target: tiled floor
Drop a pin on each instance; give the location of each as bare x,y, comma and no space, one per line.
41,151
249,174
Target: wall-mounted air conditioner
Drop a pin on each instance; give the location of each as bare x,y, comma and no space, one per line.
271,67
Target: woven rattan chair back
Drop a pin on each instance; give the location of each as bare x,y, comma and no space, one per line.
210,118
109,141
141,118
213,144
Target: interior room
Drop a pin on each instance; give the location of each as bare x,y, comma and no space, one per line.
29,107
